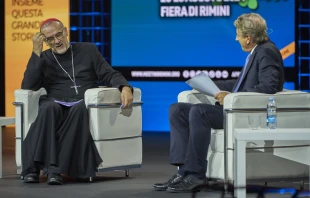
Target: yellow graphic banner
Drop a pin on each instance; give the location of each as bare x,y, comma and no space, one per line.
22,20
288,50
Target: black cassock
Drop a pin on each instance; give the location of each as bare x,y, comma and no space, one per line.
59,140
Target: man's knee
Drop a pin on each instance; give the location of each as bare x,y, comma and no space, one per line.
50,106
79,108
206,114
175,110
196,112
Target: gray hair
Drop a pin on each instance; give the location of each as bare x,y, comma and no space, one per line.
48,23
254,25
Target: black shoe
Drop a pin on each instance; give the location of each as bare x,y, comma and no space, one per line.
54,179
173,180
188,184
32,178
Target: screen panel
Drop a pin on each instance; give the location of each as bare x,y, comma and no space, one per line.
197,33
159,44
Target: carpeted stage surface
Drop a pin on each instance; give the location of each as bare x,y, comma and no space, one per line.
114,184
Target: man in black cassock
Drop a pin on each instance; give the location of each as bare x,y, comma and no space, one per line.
59,141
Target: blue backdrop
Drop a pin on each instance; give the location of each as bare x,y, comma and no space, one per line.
141,38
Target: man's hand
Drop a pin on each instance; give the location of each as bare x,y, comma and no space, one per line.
126,97
37,41
220,96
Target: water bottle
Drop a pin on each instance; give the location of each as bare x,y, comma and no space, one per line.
271,114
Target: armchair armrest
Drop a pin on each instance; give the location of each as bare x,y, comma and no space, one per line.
252,100
195,97
107,121
27,105
239,105
106,96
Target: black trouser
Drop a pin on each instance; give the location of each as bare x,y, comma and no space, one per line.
190,131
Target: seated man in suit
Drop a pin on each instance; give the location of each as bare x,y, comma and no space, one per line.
59,140
191,124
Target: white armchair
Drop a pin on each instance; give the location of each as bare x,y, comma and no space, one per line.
266,160
117,134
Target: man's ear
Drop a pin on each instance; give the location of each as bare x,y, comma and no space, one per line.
66,31
248,39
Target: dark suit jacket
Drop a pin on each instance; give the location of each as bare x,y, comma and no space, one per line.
264,72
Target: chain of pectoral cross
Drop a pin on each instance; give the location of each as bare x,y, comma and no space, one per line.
73,76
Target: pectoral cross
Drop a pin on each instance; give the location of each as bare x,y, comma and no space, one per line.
75,87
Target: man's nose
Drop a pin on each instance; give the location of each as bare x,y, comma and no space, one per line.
56,39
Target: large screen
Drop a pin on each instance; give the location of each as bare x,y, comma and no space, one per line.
159,44
195,33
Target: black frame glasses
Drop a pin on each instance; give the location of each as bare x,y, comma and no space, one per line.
52,39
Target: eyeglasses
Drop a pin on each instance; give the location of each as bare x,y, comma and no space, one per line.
260,191
52,39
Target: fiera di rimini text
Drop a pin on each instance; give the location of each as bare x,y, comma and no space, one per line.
195,8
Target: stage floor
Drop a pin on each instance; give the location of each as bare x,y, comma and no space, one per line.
114,184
